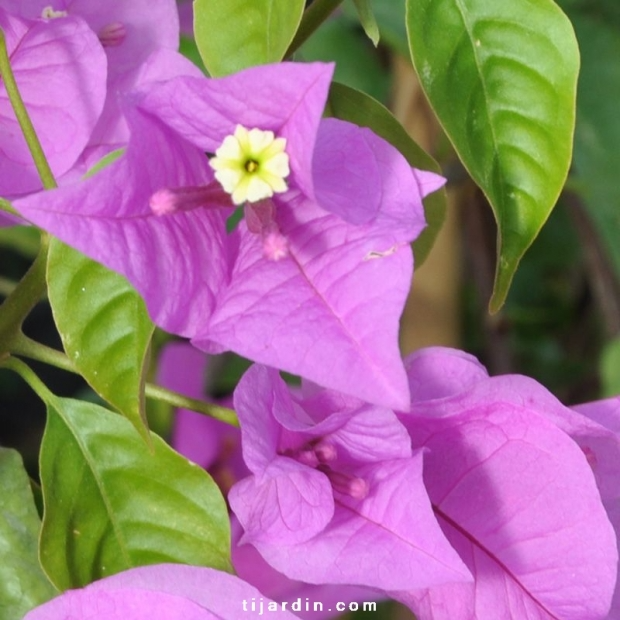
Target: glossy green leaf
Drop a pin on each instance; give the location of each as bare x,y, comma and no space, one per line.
104,326
356,107
367,19
23,584
112,504
597,136
235,34
501,77
189,49
390,15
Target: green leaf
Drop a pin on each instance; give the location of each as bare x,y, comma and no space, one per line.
390,15
597,136
351,105
23,584
367,19
104,326
235,34
112,504
501,77
189,49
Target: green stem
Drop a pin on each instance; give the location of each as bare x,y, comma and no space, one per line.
313,17
27,293
29,376
23,298
5,205
40,161
223,414
22,345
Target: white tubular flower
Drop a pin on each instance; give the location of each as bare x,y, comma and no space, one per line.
251,165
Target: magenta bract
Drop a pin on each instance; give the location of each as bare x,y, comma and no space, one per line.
160,592
127,32
514,494
329,308
60,70
335,482
217,447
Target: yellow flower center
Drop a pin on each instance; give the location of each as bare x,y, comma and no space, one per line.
251,165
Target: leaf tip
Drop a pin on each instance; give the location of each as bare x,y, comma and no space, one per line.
145,434
504,274
496,302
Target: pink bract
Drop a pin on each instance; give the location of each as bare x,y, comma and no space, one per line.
60,70
513,492
330,309
159,592
335,483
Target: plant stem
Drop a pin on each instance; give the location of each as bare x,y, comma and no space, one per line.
25,346
5,205
31,288
22,345
23,298
313,17
40,161
223,414
28,375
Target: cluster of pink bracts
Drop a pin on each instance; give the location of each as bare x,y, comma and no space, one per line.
463,496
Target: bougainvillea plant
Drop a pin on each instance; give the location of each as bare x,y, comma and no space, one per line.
226,236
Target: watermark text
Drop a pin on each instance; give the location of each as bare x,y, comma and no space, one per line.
260,606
